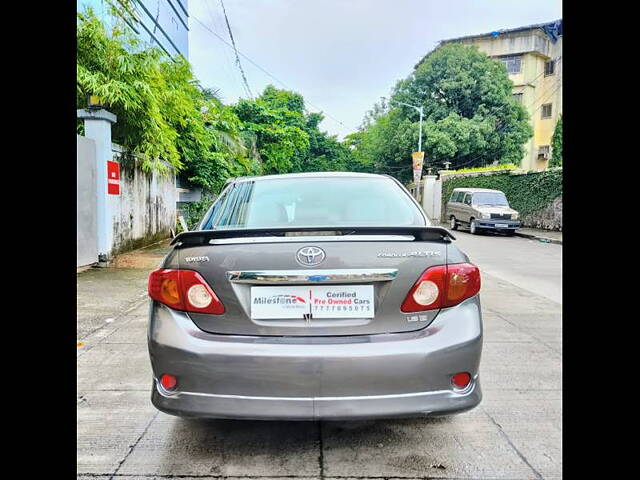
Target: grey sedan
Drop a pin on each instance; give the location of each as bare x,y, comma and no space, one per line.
315,296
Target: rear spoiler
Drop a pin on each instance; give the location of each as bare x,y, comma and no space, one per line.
202,237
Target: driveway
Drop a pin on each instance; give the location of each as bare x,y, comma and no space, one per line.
515,433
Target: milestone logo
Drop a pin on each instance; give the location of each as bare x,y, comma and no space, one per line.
281,299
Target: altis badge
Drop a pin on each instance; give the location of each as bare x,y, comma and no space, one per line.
421,253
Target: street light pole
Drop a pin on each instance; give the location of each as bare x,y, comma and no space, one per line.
420,109
420,135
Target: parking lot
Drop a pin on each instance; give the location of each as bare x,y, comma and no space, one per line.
515,433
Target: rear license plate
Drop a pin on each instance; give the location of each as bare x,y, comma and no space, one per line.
501,225
326,301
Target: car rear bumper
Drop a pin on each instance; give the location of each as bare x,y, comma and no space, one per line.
307,378
313,408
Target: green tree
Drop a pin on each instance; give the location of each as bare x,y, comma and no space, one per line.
224,155
275,120
359,160
470,117
130,81
163,113
384,145
166,117
556,145
325,152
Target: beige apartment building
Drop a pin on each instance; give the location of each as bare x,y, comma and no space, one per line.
533,57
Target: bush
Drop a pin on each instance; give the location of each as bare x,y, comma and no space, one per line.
193,212
503,166
556,145
527,193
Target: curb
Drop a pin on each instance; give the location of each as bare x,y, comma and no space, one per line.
536,237
524,235
84,268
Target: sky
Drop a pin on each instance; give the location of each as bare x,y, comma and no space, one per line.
341,55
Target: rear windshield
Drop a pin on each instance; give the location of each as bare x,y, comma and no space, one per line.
314,202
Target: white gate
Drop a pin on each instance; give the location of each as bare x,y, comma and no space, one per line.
86,225
428,192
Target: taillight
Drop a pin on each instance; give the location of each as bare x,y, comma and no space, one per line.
432,281
463,281
442,286
184,290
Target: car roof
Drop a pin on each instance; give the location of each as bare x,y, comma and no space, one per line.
306,175
475,190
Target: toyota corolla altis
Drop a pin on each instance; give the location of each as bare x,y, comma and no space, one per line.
315,296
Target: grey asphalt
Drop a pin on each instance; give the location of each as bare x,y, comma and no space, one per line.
515,433
529,264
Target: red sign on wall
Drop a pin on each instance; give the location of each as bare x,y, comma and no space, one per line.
113,178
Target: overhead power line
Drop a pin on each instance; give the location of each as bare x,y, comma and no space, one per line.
267,73
235,49
230,71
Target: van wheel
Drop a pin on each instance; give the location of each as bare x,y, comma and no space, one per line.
472,227
452,223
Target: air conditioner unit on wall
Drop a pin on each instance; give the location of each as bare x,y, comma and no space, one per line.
544,152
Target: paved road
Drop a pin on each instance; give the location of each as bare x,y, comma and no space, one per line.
529,264
514,434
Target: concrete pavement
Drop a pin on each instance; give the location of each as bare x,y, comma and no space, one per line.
515,433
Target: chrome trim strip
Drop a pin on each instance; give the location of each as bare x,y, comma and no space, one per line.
313,276
314,238
325,399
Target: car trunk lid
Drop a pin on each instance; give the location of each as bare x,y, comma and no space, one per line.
356,288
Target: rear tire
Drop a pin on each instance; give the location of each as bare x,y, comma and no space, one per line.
473,229
452,223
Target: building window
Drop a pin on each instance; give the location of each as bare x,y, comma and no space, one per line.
546,110
512,63
549,68
518,97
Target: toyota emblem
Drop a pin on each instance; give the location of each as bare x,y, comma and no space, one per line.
310,256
